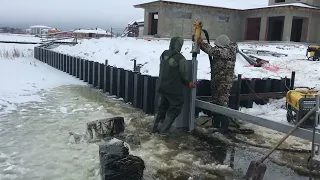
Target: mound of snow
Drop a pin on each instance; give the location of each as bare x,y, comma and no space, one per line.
19,38
121,52
23,78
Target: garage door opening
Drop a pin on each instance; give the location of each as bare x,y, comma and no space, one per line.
299,28
275,28
253,29
153,25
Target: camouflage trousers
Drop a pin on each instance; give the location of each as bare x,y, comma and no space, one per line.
221,84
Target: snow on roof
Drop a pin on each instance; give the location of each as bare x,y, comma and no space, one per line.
94,31
40,26
291,4
234,4
131,22
47,30
136,21
140,20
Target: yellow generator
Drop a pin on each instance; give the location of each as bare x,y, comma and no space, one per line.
299,102
314,53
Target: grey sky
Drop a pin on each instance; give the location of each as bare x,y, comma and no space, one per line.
70,14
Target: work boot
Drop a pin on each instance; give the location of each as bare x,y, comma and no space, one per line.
224,129
168,121
215,120
156,120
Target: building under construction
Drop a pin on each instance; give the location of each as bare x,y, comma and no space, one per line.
280,20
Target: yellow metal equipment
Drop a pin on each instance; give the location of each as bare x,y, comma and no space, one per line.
197,29
314,53
299,102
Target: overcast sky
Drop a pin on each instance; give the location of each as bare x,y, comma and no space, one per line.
70,14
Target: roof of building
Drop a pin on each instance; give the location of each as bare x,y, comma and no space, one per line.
40,26
231,4
289,4
136,21
51,29
94,31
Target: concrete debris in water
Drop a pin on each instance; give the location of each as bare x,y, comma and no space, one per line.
105,127
78,138
117,164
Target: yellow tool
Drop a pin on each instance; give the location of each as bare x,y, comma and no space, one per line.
197,29
314,53
298,103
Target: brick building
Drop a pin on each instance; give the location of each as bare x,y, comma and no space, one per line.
278,20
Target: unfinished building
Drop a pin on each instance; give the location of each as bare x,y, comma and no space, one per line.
280,20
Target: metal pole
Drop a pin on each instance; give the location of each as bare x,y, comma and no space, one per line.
316,122
293,75
237,104
193,93
197,27
134,65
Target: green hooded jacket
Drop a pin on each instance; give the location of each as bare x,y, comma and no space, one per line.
173,70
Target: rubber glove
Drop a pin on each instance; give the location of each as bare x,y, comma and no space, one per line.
191,85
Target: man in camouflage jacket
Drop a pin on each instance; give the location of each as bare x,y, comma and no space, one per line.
222,75
171,82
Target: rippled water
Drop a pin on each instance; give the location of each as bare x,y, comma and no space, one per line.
35,144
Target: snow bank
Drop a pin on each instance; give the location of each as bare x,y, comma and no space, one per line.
307,72
23,78
9,51
274,109
120,52
19,37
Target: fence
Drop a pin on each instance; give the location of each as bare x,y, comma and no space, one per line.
140,90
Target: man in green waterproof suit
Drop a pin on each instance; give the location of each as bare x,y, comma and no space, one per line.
222,75
172,80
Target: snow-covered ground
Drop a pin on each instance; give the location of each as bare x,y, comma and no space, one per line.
28,38
22,77
121,51
10,51
19,38
37,113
